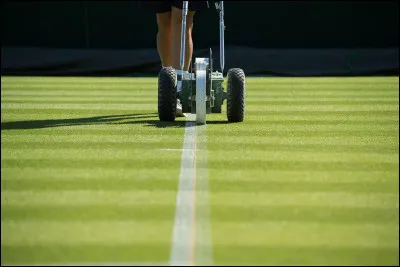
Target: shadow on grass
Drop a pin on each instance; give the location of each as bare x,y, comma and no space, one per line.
158,124
220,122
38,124
142,119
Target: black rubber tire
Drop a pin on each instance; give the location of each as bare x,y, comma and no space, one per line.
167,94
235,95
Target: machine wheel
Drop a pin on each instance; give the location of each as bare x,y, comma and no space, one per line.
201,88
167,94
235,95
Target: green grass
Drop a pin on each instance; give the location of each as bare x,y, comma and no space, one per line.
310,177
84,177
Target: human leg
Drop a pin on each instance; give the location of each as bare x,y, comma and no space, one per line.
176,17
164,38
164,32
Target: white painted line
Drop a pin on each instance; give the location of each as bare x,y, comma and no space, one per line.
182,250
186,248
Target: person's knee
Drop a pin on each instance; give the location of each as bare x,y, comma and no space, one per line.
164,22
176,18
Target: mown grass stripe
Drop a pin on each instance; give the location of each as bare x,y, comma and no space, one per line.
263,94
317,127
241,176
304,87
73,127
97,253
310,176
377,79
304,165
13,96
307,234
319,148
220,214
299,107
124,184
314,134
273,255
86,197
248,144
333,157
349,102
266,159
124,130
287,187
79,86
65,113
43,184
156,197
250,102
317,140
78,94
83,101
267,93
81,174
155,145
39,106
46,79
319,199
63,128
316,113
166,164
89,213
321,120
88,263
85,232
87,136
55,120
87,154
305,214
79,98
127,121
277,255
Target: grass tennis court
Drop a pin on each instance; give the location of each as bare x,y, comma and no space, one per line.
90,174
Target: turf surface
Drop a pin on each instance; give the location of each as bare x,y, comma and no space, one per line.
311,176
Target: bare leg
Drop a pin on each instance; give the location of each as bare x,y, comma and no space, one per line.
176,17
164,38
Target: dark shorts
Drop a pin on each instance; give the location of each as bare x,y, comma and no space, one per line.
165,6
